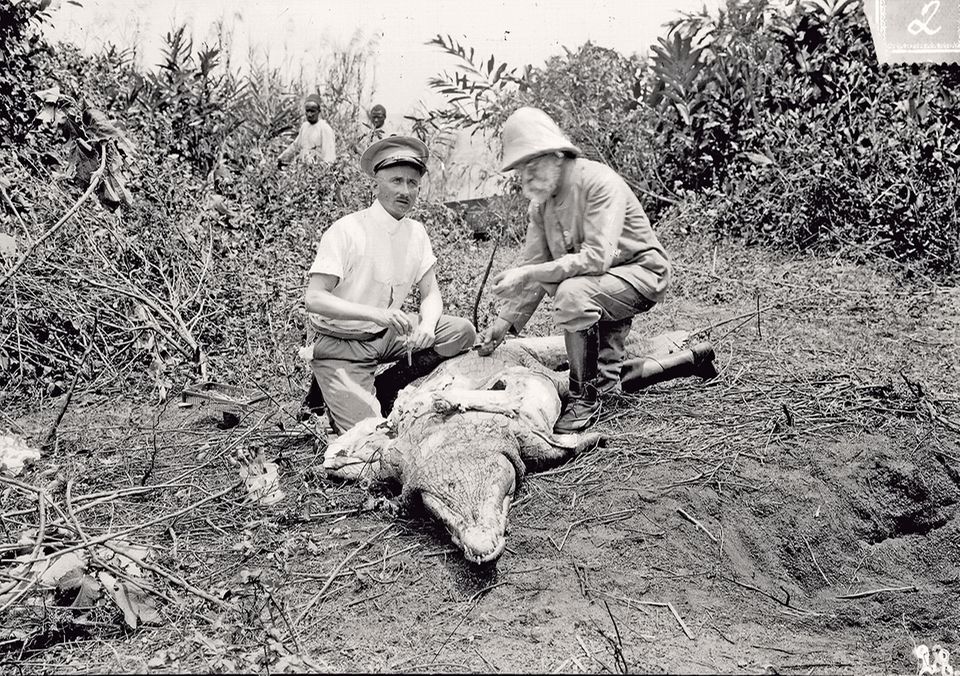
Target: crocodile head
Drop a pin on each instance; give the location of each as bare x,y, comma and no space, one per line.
466,475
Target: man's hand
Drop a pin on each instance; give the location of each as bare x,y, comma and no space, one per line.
492,336
393,319
420,339
510,282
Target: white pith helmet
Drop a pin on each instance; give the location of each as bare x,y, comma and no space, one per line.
530,132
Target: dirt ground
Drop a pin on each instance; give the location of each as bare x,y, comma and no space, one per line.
798,514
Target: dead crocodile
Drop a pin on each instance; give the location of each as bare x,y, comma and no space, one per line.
463,436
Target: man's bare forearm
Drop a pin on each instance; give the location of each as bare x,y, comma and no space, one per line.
326,304
431,307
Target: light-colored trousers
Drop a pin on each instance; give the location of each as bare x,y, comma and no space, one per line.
581,302
345,368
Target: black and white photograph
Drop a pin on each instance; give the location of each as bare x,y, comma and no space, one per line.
457,337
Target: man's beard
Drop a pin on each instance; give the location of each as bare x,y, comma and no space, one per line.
544,184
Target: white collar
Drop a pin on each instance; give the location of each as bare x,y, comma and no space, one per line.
384,218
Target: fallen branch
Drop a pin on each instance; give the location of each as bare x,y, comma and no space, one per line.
336,571
814,559
874,592
133,529
95,179
142,564
488,588
751,314
697,524
13,208
586,652
38,544
474,602
617,646
784,603
115,571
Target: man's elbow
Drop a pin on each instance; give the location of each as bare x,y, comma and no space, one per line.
313,301
592,266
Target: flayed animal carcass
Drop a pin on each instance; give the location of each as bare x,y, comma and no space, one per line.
462,437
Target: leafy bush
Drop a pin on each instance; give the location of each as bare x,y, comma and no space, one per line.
191,264
23,47
776,118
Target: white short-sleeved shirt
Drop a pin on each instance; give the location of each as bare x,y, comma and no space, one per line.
377,259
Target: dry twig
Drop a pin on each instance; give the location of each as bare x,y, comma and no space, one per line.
874,592
697,524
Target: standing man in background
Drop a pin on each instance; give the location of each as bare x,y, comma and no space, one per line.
372,129
590,245
377,116
315,142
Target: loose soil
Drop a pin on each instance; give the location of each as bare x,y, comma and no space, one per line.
798,514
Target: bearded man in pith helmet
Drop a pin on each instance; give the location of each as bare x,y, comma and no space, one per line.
590,245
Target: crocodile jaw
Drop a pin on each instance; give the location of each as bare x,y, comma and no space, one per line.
481,532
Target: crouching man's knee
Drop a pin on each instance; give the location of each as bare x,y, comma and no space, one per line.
454,335
574,305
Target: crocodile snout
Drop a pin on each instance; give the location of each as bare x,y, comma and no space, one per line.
481,545
474,508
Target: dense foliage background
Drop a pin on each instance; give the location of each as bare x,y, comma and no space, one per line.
775,126
777,121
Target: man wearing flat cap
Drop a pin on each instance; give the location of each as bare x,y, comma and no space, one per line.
366,265
590,245
315,142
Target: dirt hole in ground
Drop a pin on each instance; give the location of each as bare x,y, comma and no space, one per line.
899,497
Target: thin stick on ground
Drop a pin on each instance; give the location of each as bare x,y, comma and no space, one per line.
336,571
38,543
134,580
814,559
590,655
13,208
618,658
473,604
874,592
683,625
751,314
697,524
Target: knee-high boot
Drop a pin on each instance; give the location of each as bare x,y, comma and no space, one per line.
643,371
613,336
389,383
583,405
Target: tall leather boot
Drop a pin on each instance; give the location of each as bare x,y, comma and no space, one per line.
583,405
389,383
644,371
613,335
